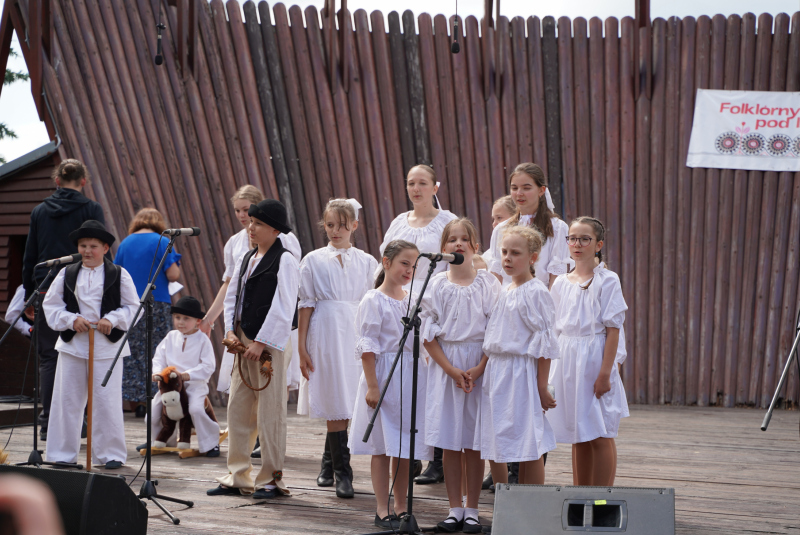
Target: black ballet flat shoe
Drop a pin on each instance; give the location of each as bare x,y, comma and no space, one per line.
387,522
450,527
213,452
113,465
141,447
266,494
219,490
471,525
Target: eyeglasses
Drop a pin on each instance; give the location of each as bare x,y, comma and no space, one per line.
584,241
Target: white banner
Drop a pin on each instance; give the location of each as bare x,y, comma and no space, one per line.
753,130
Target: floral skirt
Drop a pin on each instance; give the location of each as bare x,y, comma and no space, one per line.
134,373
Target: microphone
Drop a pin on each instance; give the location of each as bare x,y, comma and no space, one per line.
455,258
194,231
63,260
159,57
455,48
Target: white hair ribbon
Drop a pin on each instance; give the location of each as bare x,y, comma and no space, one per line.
356,206
437,198
549,199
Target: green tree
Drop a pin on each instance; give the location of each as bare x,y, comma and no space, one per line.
10,78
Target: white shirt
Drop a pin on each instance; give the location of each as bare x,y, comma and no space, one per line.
553,259
379,324
192,354
15,308
89,293
323,278
277,326
428,239
522,322
456,313
239,243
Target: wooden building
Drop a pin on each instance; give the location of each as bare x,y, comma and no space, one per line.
309,106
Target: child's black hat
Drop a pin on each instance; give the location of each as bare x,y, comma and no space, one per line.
188,306
92,229
271,212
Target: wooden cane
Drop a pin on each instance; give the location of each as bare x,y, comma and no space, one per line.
92,327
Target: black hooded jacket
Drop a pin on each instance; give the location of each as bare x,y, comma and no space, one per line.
51,223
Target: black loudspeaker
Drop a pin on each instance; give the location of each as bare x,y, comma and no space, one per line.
555,510
89,503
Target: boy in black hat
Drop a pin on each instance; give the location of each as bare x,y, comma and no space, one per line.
190,351
93,294
260,307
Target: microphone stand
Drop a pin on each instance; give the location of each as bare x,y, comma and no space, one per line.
35,457
148,489
784,375
409,522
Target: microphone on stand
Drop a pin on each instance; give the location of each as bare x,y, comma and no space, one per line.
455,258
63,260
159,58
194,231
455,48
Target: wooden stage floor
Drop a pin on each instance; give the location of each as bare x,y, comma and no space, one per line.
728,475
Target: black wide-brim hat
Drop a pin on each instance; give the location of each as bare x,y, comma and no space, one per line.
188,306
271,212
92,228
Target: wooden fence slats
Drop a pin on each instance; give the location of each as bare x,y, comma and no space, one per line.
656,222
709,259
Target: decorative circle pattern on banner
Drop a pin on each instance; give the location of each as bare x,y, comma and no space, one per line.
727,143
779,144
796,146
753,143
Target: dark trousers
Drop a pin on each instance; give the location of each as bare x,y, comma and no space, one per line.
48,359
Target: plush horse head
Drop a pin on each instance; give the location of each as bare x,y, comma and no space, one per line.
170,384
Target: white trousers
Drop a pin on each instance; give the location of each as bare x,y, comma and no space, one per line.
70,394
206,428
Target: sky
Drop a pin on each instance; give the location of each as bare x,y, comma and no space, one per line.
18,112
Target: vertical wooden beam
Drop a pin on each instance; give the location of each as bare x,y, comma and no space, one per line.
643,60
552,110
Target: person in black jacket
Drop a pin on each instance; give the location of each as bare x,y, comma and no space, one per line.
51,224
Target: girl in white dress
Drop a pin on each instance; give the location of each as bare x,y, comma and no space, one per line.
380,328
332,282
590,311
528,187
235,247
423,225
455,312
502,209
520,344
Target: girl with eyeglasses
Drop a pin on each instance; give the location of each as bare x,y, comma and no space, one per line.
590,311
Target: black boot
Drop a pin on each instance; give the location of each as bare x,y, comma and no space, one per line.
487,482
513,473
434,472
325,477
257,450
340,456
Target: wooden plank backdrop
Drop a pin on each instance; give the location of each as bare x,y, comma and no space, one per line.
709,259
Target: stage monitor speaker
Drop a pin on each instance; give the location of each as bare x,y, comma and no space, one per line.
551,510
89,503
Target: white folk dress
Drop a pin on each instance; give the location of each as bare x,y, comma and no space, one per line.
235,247
379,326
553,259
582,316
456,316
428,239
333,290
513,426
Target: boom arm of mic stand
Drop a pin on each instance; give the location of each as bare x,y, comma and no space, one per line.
407,328
784,376
28,303
148,291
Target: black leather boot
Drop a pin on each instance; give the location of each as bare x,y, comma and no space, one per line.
325,477
513,473
434,472
340,455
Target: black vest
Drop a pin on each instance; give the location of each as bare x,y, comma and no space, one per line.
112,298
259,290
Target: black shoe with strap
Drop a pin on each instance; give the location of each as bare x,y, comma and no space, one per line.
325,477
471,525
450,525
388,522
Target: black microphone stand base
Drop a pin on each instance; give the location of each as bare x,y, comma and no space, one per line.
148,492
35,459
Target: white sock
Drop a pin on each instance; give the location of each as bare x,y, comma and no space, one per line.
270,487
470,513
463,501
457,513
